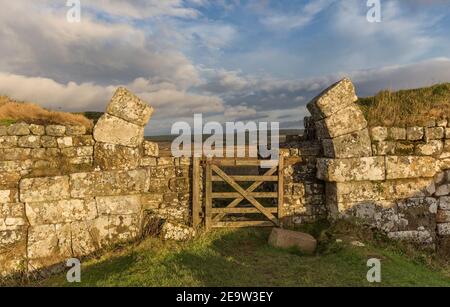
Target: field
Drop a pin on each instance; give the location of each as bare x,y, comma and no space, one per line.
243,258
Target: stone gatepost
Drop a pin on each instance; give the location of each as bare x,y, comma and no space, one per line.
119,133
342,130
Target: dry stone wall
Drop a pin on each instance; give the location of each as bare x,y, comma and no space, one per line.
394,178
66,191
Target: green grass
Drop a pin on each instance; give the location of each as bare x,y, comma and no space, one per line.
243,258
7,122
407,107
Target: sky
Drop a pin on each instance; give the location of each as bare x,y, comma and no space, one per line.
231,60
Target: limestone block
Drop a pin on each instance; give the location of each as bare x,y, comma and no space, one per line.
443,229
130,204
333,99
109,183
15,166
64,142
151,201
404,148
354,169
55,130
415,187
13,251
123,228
379,133
9,180
398,167
38,153
12,217
396,133
343,122
116,157
59,212
443,190
113,130
29,141
89,236
129,107
360,191
3,130
431,148
37,129
434,133
418,237
18,129
351,145
442,122
419,211
15,154
176,232
44,189
81,151
8,141
444,203
283,238
414,133
447,133
151,149
83,140
443,216
148,161
384,148
75,130
48,141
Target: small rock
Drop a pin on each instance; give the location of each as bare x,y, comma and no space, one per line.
283,238
358,244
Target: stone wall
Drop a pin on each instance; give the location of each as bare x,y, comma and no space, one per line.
66,191
393,178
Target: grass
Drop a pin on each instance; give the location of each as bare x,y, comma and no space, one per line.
243,258
407,107
12,111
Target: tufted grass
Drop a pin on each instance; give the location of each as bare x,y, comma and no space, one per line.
243,258
407,107
12,111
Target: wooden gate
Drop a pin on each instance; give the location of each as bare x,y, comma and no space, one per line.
214,172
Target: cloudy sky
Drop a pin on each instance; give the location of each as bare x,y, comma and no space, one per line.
228,59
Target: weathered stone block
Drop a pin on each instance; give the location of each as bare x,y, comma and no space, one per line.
119,205
431,148
333,99
384,148
176,232
115,157
123,228
82,151
64,142
283,238
37,129
29,141
11,154
396,133
8,141
44,189
404,148
129,107
60,212
75,130
151,201
415,187
415,133
151,149
3,130
83,140
9,180
343,122
13,251
379,133
447,133
355,169
109,183
148,161
356,144
48,141
443,229
15,166
444,203
55,130
114,130
435,133
89,236
412,236
443,216
19,129
398,167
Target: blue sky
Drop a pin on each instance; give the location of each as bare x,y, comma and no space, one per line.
228,59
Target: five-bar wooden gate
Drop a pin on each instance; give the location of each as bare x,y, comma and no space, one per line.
214,172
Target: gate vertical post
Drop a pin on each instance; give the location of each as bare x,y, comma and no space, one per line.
208,194
280,189
196,206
